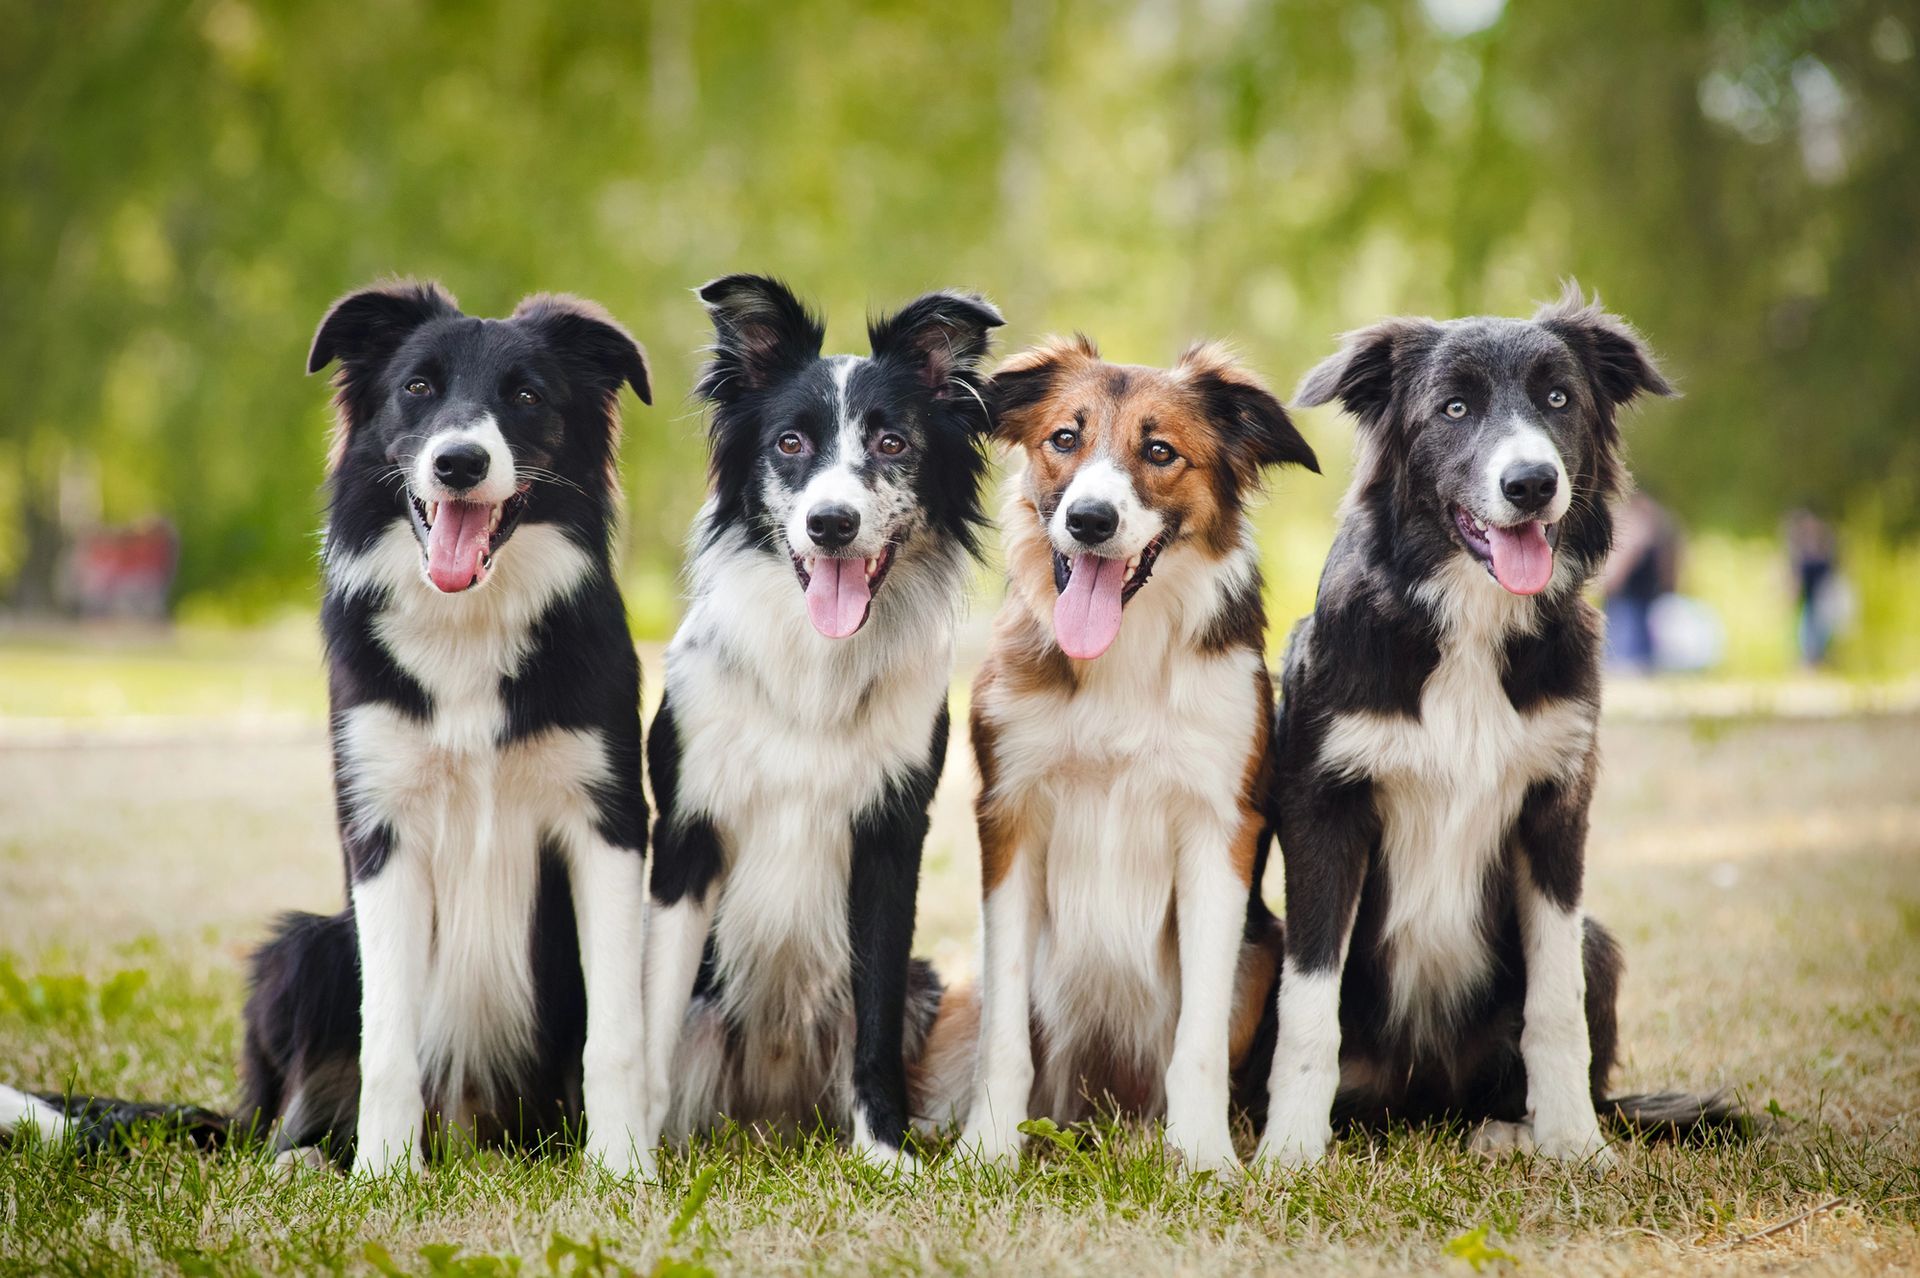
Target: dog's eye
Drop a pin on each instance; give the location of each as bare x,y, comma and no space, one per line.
526,397
890,444
419,386
791,443
1065,440
1556,398
1161,453
1456,409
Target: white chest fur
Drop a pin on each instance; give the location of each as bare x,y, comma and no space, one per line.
1152,743
473,808
1448,787
785,737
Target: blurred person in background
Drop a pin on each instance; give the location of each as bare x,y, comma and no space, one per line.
1644,567
1822,599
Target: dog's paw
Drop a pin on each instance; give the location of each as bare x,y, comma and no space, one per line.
290,1164
374,1159
1584,1144
884,1157
1203,1147
1494,1138
1293,1151
986,1144
619,1154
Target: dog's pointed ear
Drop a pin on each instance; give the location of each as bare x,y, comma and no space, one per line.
1248,416
590,340
942,337
371,323
760,330
1616,357
1360,374
1027,377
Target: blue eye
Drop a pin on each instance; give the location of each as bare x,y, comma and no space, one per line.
1556,398
1456,409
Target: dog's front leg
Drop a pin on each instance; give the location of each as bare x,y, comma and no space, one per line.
1003,1072
881,892
610,905
1554,1040
1327,832
393,926
1210,904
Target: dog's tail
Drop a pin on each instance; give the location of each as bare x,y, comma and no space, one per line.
1680,1115
102,1122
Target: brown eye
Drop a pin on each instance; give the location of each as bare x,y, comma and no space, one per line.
526,397
1556,398
1065,440
419,386
790,443
1161,453
1456,409
890,444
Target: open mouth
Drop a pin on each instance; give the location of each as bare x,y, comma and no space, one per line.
1092,590
1518,556
840,591
460,538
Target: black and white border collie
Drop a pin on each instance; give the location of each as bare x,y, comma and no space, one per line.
805,717
486,741
1436,744
1121,726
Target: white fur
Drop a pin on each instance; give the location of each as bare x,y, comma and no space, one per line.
1448,788
444,926
19,1111
1553,1040
1524,443
501,478
1105,480
1003,1076
785,737
1305,1074
1135,939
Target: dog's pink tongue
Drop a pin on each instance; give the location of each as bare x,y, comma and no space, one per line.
1086,616
457,545
1522,559
837,596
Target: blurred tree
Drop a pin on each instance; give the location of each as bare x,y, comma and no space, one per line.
188,185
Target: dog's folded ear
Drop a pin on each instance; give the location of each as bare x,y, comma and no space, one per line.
942,337
371,323
594,345
1616,357
1253,422
760,331
1026,378
1360,374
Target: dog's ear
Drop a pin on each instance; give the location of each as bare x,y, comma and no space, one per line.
1027,377
1360,374
1616,357
589,340
760,331
942,337
372,323
1253,422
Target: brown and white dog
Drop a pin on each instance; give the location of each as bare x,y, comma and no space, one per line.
1122,766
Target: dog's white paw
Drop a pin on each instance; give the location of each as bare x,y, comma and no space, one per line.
374,1159
1210,1150
1294,1150
1582,1143
989,1144
289,1164
1494,1138
619,1154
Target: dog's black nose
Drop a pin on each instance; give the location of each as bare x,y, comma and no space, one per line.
832,526
460,466
1092,522
1530,485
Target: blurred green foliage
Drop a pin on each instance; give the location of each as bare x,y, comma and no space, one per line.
187,185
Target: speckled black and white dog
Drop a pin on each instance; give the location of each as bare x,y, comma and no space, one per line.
486,737
805,719
1436,744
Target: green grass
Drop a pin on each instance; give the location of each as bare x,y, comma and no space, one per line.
1764,879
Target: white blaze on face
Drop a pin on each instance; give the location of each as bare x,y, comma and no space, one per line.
1101,480
1086,615
1525,445
460,525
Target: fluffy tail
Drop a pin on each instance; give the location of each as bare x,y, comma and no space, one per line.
101,1122
1679,1115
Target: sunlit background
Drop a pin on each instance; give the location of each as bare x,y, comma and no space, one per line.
185,187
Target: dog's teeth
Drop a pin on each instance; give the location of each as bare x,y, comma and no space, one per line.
433,511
